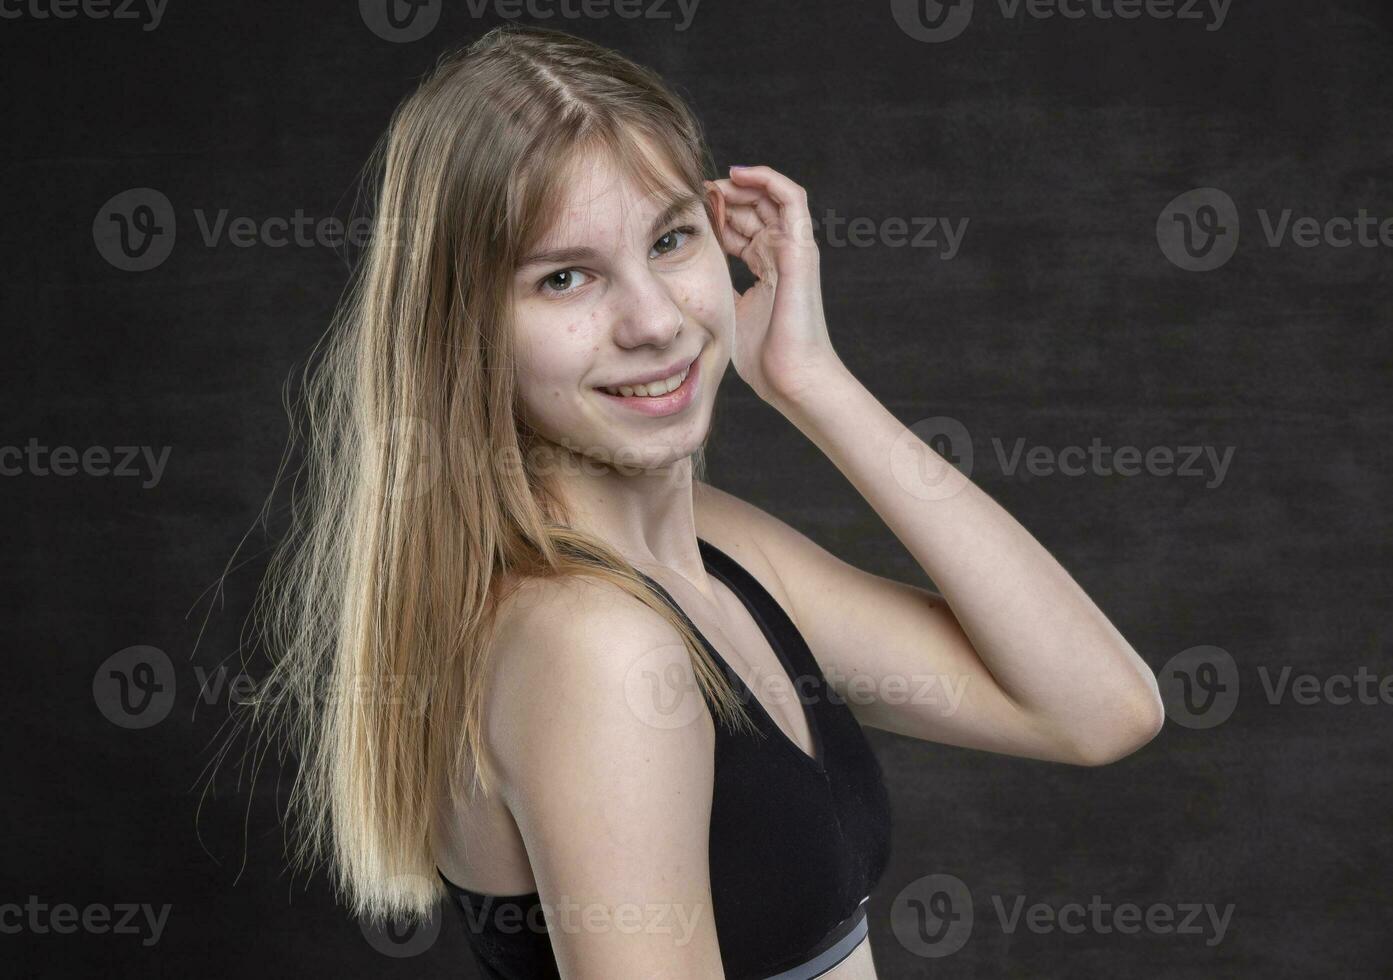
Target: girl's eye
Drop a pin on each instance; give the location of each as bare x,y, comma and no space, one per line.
565,279
669,243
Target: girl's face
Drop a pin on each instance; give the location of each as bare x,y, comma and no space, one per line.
623,288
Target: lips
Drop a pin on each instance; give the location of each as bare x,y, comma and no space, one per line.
669,403
653,389
661,374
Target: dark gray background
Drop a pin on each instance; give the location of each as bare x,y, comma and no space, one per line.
1059,321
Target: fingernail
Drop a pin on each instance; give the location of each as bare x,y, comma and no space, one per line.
739,166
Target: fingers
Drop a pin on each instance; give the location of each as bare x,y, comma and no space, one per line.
764,205
784,191
745,220
780,203
732,239
741,222
733,242
765,211
737,193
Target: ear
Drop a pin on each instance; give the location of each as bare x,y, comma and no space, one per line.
717,204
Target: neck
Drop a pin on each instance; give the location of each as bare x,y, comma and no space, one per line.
647,515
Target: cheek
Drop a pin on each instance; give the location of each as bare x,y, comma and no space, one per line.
555,352
709,296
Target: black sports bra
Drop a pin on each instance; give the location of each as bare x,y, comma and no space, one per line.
797,841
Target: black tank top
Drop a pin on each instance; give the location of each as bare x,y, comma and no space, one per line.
797,841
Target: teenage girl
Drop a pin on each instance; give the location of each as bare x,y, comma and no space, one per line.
531,662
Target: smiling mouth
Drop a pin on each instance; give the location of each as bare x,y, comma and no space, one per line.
658,399
652,389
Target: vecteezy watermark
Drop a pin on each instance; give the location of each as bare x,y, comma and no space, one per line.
135,230
400,21
833,230
942,692
675,919
411,937
299,230
944,234
934,916
403,21
935,21
933,457
1098,459
35,459
661,689
241,688
1199,687
136,688
96,918
401,938
1100,917
148,13
1198,231
680,12
1363,686
425,457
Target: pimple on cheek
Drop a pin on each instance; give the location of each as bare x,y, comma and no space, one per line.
575,325
698,306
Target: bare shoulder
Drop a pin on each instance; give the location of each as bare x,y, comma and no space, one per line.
609,782
568,664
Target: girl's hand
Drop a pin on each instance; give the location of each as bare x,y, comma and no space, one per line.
781,346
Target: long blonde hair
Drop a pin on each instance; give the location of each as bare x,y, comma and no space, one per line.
419,491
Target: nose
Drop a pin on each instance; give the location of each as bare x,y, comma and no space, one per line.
647,316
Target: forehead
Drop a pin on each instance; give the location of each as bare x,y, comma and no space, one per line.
599,192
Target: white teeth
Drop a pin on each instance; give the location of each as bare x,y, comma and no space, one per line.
653,388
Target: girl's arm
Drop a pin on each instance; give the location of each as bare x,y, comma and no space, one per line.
1013,656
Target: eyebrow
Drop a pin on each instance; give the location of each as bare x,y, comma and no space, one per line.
677,206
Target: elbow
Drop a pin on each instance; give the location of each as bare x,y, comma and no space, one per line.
1142,721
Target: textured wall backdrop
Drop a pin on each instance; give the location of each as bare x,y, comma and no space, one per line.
1128,261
